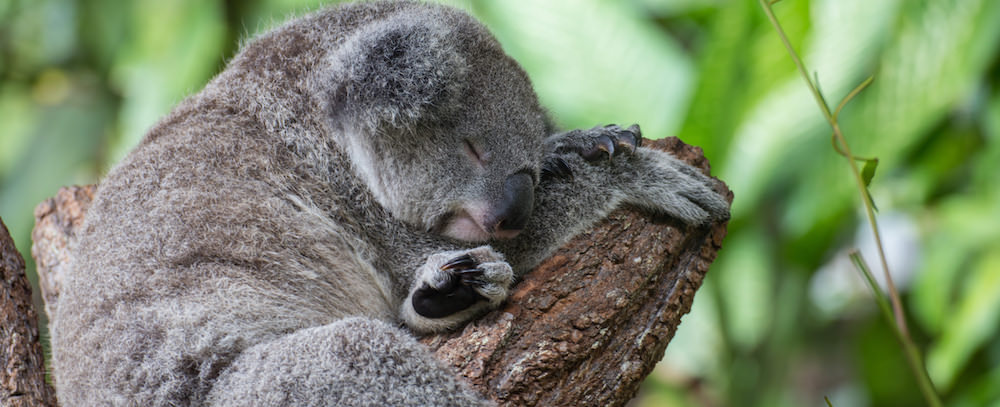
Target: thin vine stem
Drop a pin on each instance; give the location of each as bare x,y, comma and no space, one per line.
913,355
903,331
846,149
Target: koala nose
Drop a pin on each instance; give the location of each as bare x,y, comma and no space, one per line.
513,210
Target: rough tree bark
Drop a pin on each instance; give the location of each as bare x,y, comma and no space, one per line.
22,366
583,329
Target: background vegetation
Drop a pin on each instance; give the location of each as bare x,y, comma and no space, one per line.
783,319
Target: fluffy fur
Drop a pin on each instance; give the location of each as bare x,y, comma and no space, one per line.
266,240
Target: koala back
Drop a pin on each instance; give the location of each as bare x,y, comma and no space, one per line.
300,187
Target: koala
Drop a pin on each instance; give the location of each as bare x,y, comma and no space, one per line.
353,177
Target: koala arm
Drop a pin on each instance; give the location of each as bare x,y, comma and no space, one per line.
586,175
589,173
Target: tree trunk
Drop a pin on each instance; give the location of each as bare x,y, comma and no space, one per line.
22,366
584,328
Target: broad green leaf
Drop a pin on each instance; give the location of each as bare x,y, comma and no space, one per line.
787,122
881,365
975,321
987,166
19,115
935,57
259,16
817,197
105,28
699,340
960,227
675,7
59,151
596,62
746,278
176,48
982,391
40,33
933,290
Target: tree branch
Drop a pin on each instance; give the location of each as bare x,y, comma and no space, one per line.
584,328
590,323
22,367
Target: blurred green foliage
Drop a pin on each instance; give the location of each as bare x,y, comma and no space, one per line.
783,319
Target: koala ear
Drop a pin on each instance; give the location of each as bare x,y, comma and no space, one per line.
396,72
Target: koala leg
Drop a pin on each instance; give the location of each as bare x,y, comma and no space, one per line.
351,362
455,286
589,173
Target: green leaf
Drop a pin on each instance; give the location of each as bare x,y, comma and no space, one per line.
597,62
923,73
785,118
745,277
176,48
868,172
976,320
15,129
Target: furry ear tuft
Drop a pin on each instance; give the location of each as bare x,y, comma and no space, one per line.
397,72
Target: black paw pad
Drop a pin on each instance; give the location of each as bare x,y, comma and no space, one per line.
456,294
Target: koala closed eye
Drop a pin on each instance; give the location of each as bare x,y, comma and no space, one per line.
473,153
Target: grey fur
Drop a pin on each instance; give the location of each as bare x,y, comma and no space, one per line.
261,244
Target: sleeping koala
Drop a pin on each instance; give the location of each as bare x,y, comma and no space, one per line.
365,167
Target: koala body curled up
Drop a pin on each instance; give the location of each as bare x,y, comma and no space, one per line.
364,167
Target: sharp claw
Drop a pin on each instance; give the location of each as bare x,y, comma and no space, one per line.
461,262
477,283
627,143
636,133
564,168
556,167
471,277
604,144
469,273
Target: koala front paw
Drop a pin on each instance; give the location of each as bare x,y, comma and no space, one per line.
452,282
593,145
653,180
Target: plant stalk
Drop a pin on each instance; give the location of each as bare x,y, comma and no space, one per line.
912,353
901,329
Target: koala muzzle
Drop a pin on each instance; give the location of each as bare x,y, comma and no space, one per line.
511,213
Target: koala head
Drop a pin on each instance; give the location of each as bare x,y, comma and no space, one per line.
439,122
